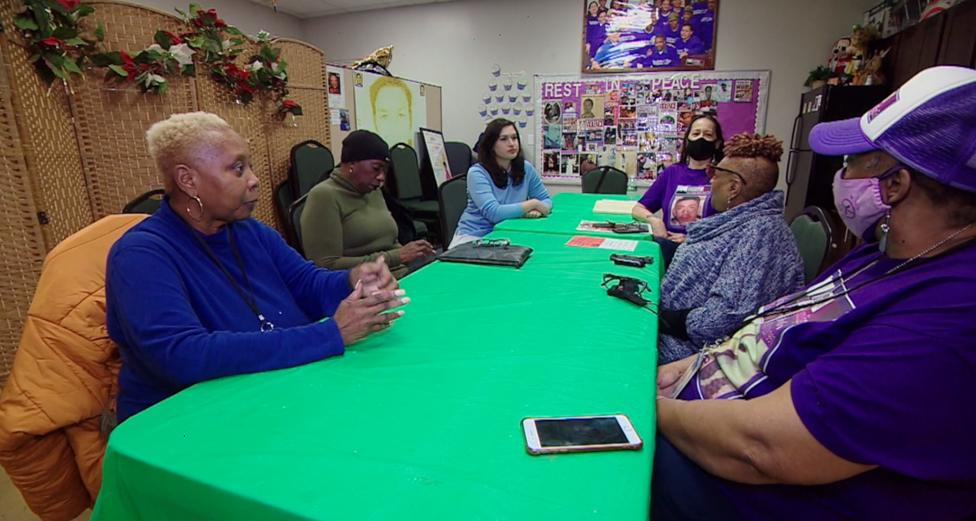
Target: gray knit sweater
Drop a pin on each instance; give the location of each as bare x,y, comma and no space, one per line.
730,264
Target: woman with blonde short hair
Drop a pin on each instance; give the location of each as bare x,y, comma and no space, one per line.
200,290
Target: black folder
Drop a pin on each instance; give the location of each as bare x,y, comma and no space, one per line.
495,253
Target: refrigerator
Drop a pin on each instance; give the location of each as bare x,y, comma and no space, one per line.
809,176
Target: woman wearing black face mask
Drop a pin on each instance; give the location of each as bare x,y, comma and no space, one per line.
682,182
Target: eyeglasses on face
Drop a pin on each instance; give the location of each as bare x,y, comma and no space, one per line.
870,164
712,168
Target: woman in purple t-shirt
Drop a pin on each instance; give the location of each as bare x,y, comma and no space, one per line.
852,399
681,191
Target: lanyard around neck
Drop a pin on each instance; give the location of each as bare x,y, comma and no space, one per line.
799,301
247,296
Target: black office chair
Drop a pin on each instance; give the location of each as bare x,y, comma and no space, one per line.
311,163
813,234
604,180
405,172
148,202
407,228
452,197
477,143
283,199
459,157
295,217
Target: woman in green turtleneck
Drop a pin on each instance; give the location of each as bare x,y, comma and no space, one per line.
346,221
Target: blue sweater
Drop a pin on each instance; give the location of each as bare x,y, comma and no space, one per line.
730,264
179,321
489,205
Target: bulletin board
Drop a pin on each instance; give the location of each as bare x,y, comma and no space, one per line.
349,89
636,122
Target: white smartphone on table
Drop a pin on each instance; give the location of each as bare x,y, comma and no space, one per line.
580,434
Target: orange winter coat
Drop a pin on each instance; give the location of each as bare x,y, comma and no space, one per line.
64,376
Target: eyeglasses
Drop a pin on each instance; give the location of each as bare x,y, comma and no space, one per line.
711,169
492,243
884,175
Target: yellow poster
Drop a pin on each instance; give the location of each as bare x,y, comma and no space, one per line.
392,107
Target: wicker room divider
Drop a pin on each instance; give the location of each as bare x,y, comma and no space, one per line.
20,232
69,159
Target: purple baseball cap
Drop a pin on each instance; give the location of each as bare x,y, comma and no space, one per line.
929,124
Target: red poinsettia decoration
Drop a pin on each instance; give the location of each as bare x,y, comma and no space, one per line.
70,5
246,90
60,48
238,79
53,33
288,106
173,39
207,18
236,73
52,43
129,64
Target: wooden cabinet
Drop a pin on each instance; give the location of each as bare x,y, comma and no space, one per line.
958,46
945,39
917,49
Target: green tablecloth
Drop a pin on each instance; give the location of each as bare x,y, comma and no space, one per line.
421,421
568,209
585,202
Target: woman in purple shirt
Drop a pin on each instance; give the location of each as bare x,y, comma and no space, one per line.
673,190
851,399
592,9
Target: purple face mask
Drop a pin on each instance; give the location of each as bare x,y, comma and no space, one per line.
859,202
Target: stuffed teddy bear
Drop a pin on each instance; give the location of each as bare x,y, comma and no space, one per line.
861,38
870,71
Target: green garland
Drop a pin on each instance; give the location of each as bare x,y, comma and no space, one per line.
57,47
52,32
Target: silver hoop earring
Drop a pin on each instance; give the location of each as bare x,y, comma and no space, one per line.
200,204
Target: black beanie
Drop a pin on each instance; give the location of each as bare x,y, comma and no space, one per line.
363,145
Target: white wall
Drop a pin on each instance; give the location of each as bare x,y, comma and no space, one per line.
454,44
247,16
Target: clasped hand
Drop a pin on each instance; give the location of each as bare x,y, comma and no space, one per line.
375,291
534,208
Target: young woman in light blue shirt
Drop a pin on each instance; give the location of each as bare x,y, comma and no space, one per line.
501,185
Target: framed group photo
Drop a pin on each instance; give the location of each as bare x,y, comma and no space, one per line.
626,36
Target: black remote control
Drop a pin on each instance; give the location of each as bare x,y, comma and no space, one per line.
631,260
